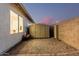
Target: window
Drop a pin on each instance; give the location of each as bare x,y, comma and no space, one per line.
20,24
13,22
16,23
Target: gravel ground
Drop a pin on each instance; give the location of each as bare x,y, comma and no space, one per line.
42,47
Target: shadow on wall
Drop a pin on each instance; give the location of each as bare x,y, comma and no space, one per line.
51,31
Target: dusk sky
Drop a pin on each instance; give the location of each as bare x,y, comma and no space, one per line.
52,12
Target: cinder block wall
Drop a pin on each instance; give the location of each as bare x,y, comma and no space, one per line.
68,32
39,31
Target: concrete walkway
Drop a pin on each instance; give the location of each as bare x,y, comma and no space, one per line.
49,46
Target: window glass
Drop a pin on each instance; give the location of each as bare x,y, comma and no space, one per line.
13,22
20,24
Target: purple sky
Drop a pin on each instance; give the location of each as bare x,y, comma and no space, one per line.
50,13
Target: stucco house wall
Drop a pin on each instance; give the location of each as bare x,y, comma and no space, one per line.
68,32
8,40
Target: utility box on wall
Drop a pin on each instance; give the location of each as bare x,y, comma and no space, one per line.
68,31
39,31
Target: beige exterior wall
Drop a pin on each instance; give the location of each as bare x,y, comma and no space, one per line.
8,40
68,32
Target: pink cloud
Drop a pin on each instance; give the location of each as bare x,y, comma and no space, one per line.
48,20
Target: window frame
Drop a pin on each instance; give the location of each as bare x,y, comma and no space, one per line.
15,24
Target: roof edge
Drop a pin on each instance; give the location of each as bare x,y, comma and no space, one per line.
26,12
